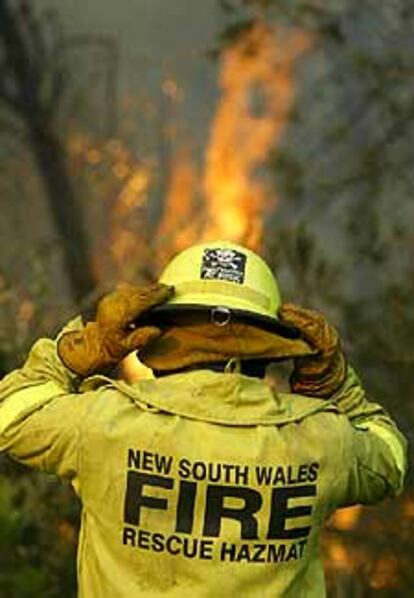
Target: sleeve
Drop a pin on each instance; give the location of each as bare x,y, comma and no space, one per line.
40,411
374,449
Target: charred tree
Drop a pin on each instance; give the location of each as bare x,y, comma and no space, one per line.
31,86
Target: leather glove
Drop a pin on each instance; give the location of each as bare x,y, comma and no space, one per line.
324,373
103,343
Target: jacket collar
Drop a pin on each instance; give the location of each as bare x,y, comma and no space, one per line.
221,398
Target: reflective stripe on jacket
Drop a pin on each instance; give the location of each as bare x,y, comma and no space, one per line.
199,484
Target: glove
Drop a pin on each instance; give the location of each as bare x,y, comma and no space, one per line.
322,374
103,343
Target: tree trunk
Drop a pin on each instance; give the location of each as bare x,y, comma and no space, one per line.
64,208
20,85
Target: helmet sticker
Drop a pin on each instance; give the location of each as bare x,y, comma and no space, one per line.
223,264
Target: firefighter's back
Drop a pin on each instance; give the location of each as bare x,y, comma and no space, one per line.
205,484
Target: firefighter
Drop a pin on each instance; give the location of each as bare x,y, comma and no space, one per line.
205,480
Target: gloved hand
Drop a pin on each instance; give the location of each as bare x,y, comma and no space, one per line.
103,343
320,375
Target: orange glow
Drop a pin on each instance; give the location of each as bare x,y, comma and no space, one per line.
256,79
339,556
179,226
93,156
408,509
370,545
385,574
230,197
26,311
67,532
128,236
229,200
133,193
346,519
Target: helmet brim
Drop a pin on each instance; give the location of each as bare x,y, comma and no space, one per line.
175,313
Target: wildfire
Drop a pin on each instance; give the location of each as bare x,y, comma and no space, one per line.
179,226
130,182
229,198
257,84
126,240
371,547
346,519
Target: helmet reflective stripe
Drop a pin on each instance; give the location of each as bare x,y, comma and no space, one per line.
225,274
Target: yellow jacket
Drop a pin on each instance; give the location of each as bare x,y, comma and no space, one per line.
199,484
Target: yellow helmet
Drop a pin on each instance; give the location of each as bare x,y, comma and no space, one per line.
226,278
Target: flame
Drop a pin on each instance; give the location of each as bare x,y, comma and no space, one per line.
385,574
129,241
340,558
346,519
133,192
408,508
352,548
179,226
229,198
258,91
